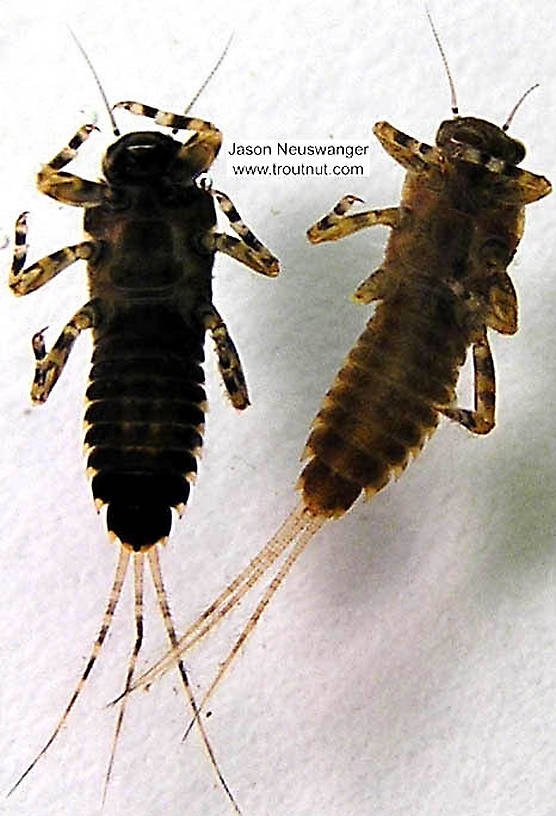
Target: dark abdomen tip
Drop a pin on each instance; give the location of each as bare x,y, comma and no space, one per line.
325,492
139,525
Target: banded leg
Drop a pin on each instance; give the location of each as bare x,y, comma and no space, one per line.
481,419
413,155
236,249
248,250
177,121
336,224
49,366
228,359
22,281
515,186
66,187
199,152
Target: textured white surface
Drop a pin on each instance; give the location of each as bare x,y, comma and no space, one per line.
409,664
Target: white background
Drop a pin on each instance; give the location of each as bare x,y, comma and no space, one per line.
408,666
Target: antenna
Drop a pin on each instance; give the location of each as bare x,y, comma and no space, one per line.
454,103
508,121
210,76
98,83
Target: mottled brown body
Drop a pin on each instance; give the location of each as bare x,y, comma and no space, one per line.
381,407
443,282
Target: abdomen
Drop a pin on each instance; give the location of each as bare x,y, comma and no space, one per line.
145,419
383,403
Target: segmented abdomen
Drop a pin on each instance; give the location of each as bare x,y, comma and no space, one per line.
381,406
145,419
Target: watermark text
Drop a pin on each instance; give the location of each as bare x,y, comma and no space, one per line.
298,158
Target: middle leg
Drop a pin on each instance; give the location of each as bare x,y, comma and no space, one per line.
22,281
336,224
481,419
228,358
49,366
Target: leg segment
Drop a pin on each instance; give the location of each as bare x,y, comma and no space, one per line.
236,249
480,420
337,224
249,250
174,120
49,366
65,187
502,313
375,287
199,152
416,156
516,186
22,281
228,359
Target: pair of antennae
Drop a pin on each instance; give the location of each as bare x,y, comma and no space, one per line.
453,100
454,103
115,128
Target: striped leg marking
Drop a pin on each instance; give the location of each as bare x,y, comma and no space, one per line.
20,249
418,157
65,187
249,250
49,366
228,359
236,249
69,152
336,224
517,186
166,119
480,420
199,152
22,281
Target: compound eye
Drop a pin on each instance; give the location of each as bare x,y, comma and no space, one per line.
519,152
